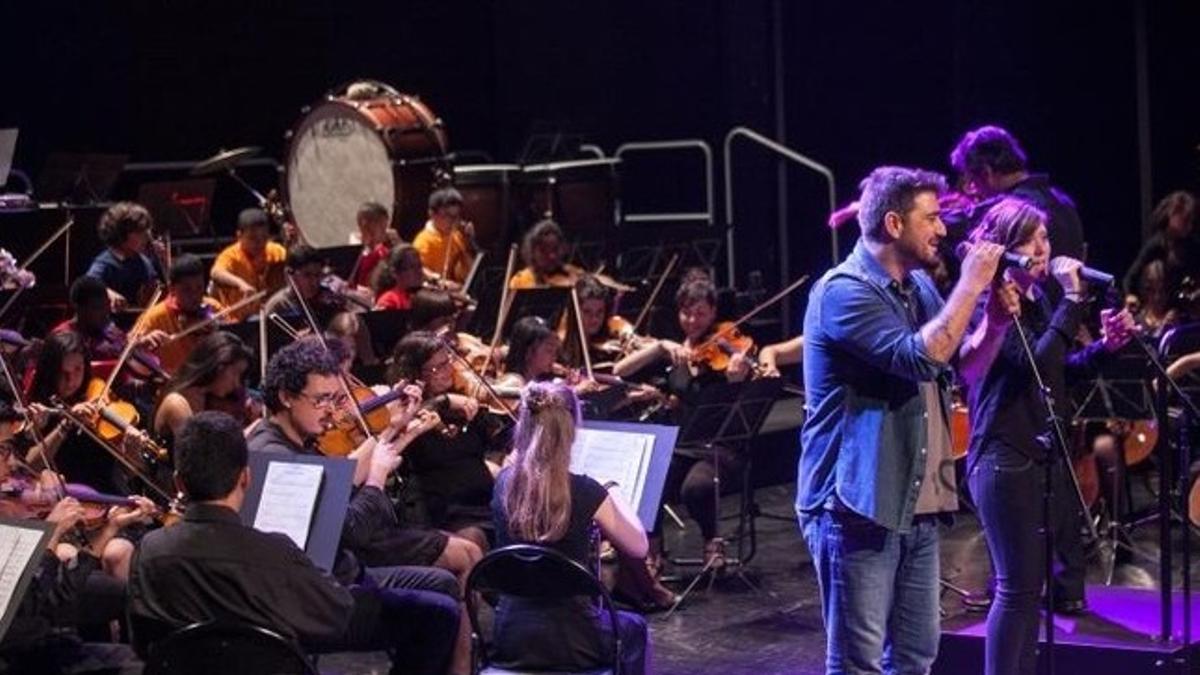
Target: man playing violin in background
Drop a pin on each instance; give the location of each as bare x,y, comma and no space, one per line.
447,242
185,305
93,322
123,266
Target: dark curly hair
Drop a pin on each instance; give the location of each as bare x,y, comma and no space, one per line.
290,367
120,220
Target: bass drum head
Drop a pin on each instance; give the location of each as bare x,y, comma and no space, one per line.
336,161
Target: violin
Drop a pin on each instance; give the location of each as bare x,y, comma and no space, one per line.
717,351
345,435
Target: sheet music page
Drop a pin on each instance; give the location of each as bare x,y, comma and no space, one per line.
619,456
17,546
289,497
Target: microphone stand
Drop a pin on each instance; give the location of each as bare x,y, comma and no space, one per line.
1058,438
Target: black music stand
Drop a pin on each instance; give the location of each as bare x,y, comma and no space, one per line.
76,178
333,497
181,207
386,327
342,260
1119,391
549,303
724,419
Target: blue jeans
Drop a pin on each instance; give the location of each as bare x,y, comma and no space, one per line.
879,592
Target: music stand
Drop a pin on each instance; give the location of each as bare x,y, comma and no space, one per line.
77,178
1119,391
329,516
549,303
342,260
385,327
181,207
728,415
24,543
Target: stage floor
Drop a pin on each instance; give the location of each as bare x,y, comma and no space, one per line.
732,630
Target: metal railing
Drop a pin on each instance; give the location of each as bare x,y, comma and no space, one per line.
707,216
788,153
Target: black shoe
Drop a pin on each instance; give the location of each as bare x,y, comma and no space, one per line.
977,602
1071,607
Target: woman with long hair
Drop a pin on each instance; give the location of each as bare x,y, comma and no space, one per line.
210,378
538,500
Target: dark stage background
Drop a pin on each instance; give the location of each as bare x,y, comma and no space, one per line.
861,84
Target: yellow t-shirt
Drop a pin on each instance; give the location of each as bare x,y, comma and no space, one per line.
266,273
164,317
433,247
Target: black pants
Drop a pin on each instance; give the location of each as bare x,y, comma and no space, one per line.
417,627
1008,488
690,481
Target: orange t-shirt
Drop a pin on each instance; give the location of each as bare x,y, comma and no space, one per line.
265,273
165,316
433,247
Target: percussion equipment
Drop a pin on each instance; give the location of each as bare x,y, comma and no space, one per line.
346,150
488,198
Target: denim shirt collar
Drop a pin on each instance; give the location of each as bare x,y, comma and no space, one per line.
869,266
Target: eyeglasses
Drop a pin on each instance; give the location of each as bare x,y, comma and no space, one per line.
325,400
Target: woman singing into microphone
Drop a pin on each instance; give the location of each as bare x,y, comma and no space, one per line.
1009,439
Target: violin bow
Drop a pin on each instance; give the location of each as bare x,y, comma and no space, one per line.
38,437
583,343
312,324
761,306
34,256
201,325
505,297
131,339
658,286
115,453
479,378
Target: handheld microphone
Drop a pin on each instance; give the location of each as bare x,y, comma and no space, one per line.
1095,277
1008,259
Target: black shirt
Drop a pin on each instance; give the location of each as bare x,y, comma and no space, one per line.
211,566
586,497
1006,407
454,481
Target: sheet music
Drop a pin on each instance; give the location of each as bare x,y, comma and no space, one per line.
289,497
17,546
619,456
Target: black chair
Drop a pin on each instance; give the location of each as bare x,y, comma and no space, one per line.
536,572
215,646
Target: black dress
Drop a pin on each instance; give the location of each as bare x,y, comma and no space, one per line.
562,634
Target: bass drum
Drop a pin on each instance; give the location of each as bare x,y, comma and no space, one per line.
387,147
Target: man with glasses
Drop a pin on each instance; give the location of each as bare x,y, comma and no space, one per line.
304,397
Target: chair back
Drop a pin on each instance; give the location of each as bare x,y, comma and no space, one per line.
215,646
535,572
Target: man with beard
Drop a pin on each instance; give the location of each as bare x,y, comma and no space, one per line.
877,343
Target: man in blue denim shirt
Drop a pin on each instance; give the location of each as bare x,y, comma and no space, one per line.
877,343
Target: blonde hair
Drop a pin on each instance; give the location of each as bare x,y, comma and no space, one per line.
537,497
